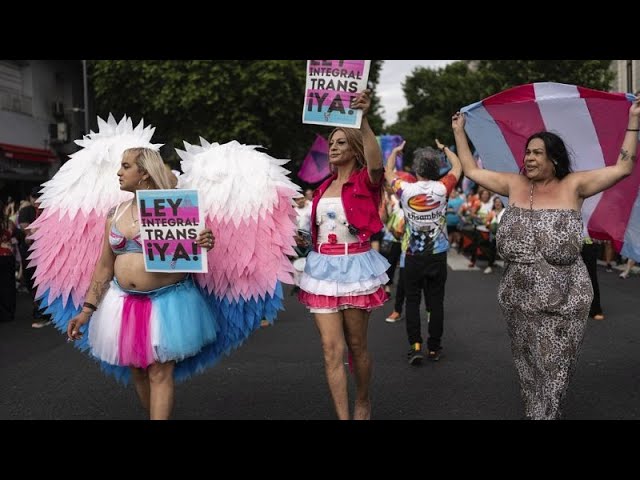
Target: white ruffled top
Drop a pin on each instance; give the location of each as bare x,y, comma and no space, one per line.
330,218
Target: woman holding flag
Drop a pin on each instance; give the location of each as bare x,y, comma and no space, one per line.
545,292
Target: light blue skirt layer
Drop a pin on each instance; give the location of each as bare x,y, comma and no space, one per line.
356,267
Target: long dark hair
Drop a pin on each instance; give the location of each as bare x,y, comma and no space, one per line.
556,151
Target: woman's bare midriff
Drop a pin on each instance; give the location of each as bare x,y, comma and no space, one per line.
130,273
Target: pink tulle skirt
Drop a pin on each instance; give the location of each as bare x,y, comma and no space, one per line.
335,282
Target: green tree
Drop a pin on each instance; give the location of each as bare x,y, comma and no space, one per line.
255,102
434,95
500,75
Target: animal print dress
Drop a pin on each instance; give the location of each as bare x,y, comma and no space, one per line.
545,295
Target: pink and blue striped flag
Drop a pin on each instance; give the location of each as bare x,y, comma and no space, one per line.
591,123
315,166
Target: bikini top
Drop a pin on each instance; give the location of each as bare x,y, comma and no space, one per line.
119,243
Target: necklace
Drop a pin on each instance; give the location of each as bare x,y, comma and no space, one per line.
134,221
531,196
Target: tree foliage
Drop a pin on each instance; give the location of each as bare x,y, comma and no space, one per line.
434,95
257,102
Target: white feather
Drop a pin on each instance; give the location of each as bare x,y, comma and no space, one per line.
88,180
235,181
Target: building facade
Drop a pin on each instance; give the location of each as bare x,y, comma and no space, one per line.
627,76
41,114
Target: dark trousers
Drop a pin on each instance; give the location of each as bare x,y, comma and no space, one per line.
428,274
7,288
393,257
399,292
590,257
486,246
29,278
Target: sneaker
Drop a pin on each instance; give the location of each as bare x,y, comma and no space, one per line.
41,323
488,270
394,317
415,355
624,275
434,355
608,268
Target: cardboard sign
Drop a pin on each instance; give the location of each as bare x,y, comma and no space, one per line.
331,86
170,221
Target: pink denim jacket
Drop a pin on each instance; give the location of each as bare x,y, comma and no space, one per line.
360,199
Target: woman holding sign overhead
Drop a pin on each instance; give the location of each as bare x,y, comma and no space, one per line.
156,324
344,278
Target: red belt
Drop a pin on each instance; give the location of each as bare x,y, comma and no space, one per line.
343,248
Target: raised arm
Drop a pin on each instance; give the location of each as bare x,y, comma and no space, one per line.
590,182
456,166
390,167
372,152
100,280
495,181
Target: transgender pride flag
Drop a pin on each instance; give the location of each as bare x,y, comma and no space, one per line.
592,124
315,166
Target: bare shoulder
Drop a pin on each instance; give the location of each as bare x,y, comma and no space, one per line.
573,179
113,210
518,187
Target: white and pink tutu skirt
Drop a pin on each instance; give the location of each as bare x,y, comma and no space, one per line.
342,276
136,329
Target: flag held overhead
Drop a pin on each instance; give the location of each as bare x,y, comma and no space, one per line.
592,124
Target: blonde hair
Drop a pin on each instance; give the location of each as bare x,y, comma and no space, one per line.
172,178
354,140
149,161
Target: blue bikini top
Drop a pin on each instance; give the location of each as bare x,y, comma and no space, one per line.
119,243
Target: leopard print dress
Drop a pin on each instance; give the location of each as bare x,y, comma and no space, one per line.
545,295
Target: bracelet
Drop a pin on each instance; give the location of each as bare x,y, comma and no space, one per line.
90,305
633,129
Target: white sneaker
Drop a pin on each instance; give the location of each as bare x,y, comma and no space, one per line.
624,275
488,270
394,317
41,323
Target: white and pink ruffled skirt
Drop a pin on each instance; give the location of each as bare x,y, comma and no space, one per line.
333,281
136,329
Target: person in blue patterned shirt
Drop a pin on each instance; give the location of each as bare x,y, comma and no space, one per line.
425,205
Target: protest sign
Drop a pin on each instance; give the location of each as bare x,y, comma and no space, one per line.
170,221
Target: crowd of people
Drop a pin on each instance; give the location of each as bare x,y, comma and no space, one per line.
16,274
363,227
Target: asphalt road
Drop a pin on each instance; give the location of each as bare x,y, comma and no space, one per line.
278,373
